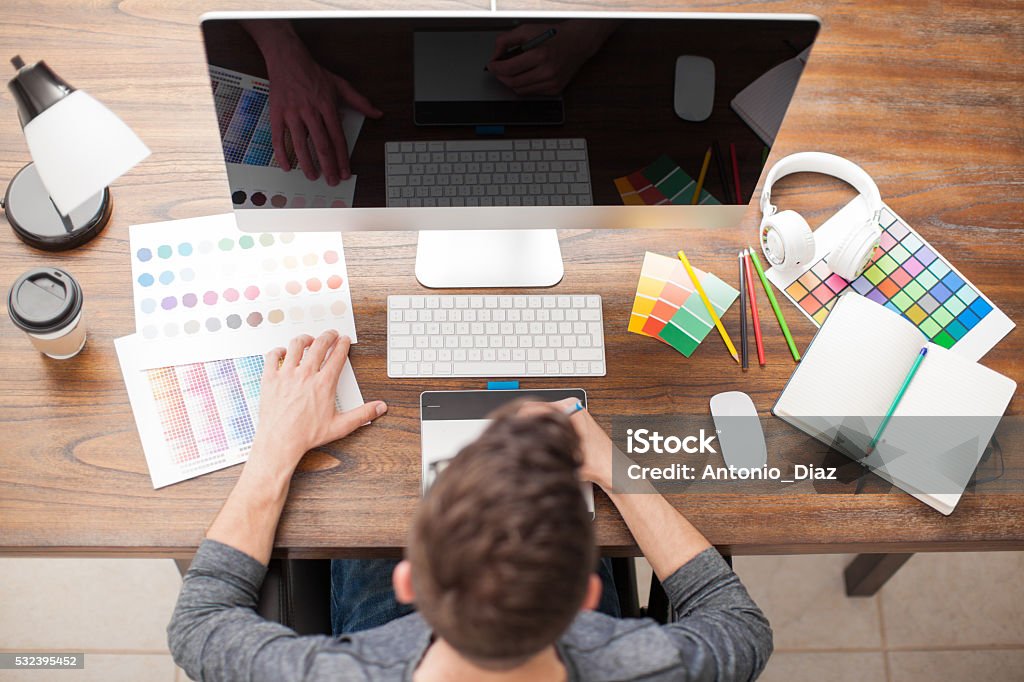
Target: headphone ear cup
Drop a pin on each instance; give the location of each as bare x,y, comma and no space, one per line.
854,252
786,240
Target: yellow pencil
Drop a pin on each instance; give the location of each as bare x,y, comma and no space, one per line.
707,304
700,178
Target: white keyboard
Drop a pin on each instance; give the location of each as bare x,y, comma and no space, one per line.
541,172
495,336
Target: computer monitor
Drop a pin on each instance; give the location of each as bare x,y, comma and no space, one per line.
486,131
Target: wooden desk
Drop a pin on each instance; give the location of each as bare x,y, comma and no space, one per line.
927,101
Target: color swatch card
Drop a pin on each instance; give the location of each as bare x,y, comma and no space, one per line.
205,291
242,103
662,182
668,308
200,417
906,275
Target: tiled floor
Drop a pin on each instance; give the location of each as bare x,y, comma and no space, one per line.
943,617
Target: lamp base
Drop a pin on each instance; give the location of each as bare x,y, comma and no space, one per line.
36,221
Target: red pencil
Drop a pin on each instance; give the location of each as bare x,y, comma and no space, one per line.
753,311
735,173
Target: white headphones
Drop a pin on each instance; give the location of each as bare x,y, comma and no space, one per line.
786,238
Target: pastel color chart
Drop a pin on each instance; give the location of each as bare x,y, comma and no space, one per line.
200,417
217,292
910,277
254,174
662,182
668,308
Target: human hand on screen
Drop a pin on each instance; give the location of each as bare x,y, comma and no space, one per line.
549,67
305,103
297,410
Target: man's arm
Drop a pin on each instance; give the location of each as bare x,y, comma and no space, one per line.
215,633
719,630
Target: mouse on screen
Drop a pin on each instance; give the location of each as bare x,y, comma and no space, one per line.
695,87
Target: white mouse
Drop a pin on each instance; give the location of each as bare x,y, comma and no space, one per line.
695,87
739,430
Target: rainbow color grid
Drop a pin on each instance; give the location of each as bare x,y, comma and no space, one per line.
200,417
242,103
203,280
910,277
662,182
667,307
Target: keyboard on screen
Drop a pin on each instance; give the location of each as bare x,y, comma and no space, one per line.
495,336
537,172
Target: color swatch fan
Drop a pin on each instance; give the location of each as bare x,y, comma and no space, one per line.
907,275
668,308
662,182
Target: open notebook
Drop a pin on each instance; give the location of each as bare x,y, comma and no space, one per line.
848,378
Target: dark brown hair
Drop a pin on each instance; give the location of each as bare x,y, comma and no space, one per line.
502,546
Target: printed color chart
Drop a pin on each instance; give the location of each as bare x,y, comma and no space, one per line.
217,292
662,182
908,276
668,308
200,417
242,103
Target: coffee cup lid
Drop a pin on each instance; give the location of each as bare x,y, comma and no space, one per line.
44,300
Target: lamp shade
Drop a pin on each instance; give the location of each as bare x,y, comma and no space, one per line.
79,147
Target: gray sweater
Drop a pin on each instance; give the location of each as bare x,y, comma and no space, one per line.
216,634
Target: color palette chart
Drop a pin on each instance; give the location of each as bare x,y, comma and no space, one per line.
662,182
200,417
219,293
668,308
906,275
242,103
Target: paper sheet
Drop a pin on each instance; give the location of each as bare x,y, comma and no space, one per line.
205,291
197,418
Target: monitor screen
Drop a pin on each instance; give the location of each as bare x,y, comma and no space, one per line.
455,111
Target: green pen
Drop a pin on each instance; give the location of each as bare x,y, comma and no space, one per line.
775,305
897,399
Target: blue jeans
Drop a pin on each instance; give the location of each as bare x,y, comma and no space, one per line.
362,596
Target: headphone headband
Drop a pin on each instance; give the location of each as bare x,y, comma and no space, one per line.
827,164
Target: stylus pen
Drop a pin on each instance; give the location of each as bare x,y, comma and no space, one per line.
897,399
775,305
573,409
743,313
533,42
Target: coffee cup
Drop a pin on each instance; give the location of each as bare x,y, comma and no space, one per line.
46,303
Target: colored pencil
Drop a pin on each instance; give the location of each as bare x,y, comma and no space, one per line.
743,312
752,297
898,398
723,174
735,172
775,305
700,179
707,304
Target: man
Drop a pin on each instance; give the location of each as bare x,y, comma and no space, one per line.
499,564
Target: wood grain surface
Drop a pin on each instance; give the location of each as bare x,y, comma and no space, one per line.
925,95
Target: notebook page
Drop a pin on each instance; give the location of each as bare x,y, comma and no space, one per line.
855,364
942,425
763,103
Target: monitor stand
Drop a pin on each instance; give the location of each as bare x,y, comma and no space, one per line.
452,259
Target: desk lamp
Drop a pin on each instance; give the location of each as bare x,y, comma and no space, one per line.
78,147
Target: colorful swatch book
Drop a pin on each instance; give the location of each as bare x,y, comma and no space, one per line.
200,417
662,182
242,103
906,275
215,292
668,308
